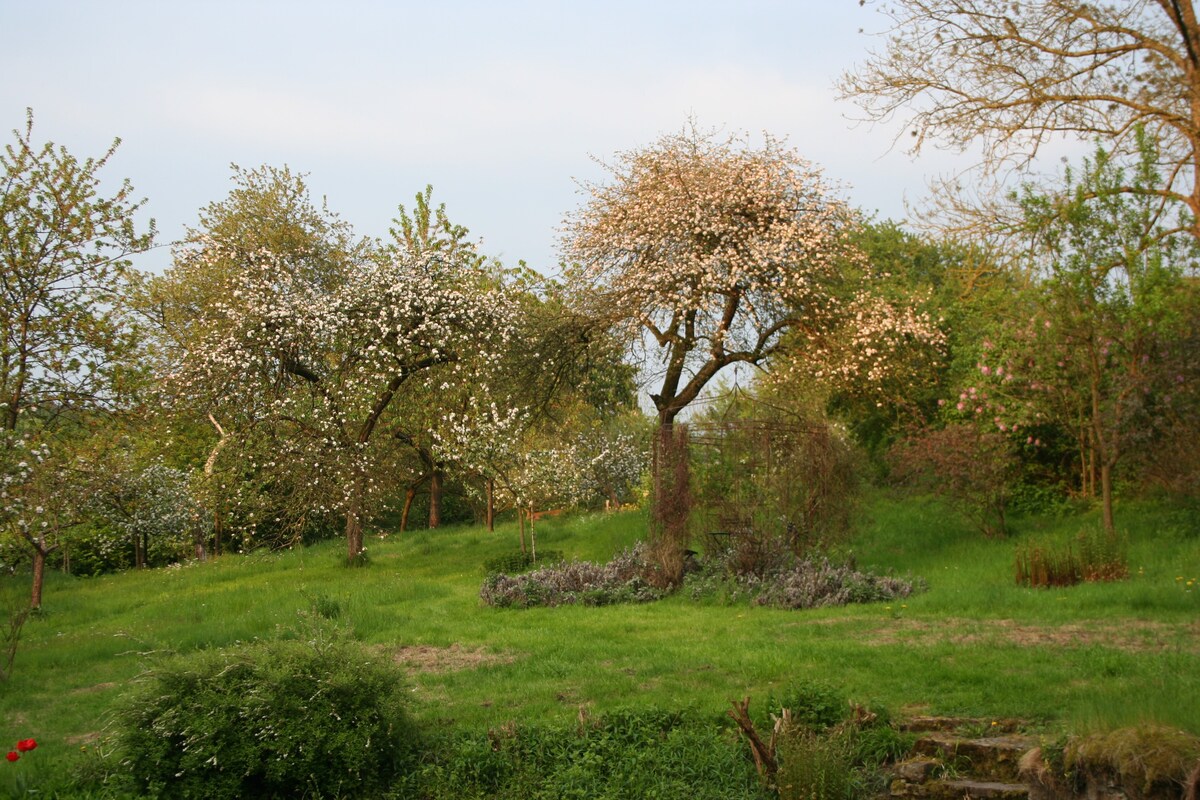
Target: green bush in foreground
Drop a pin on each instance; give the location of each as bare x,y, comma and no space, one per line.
315,718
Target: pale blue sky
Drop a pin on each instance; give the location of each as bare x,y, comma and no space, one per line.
498,104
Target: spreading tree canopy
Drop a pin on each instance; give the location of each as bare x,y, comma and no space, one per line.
707,250
1015,74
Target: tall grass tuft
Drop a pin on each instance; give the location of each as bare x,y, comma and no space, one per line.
815,767
1092,556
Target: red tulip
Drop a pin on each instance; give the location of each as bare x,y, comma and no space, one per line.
25,745
12,756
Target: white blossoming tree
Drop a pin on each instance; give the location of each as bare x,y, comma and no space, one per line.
149,507
708,252
316,365
527,469
65,338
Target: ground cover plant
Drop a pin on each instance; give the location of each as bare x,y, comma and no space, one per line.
1149,760
1095,656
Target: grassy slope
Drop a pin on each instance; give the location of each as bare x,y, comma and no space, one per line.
1089,656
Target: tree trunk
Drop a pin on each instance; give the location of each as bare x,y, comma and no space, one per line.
1091,467
670,503
354,531
39,577
409,495
1081,437
521,526
217,525
1104,450
354,539
532,536
198,545
210,465
435,498
491,504
1106,497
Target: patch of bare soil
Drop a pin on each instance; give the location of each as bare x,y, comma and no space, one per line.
99,687
84,739
427,658
1131,635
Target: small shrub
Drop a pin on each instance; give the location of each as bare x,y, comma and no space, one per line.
875,745
1103,556
621,580
831,748
812,584
813,704
974,468
323,606
316,717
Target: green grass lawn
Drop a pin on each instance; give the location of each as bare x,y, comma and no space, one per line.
1088,657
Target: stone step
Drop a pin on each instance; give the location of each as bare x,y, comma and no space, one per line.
926,724
958,789
995,758
984,790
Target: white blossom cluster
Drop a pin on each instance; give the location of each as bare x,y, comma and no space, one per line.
489,442
880,349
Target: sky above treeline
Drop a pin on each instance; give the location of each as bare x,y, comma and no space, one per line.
503,107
